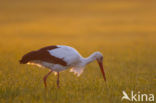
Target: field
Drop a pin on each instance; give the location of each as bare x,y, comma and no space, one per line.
124,31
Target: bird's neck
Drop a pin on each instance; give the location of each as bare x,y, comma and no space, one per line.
89,59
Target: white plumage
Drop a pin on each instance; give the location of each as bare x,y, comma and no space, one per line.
68,54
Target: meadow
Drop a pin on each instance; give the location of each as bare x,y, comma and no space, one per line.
124,31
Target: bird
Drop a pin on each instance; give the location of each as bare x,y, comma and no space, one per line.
58,58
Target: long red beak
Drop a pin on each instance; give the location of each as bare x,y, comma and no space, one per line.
102,69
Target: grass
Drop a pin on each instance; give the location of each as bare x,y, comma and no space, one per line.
124,31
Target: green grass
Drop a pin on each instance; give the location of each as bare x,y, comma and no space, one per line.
124,31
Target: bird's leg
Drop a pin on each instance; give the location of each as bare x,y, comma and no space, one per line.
58,86
45,78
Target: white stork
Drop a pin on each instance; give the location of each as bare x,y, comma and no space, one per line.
58,58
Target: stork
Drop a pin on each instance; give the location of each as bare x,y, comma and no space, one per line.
58,58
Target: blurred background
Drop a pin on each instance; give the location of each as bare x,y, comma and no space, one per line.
123,30
85,22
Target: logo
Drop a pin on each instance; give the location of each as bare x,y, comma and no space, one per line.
138,96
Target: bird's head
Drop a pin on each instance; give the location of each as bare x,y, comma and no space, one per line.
27,57
99,58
